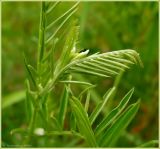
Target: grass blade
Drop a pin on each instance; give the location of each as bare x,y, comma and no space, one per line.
101,105
113,133
83,121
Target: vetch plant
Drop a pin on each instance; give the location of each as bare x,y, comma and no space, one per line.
50,71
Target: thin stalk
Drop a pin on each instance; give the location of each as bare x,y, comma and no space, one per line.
31,127
41,44
32,123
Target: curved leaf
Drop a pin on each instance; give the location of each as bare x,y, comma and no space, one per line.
105,65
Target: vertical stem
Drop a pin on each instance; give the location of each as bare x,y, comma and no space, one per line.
41,47
41,43
32,123
31,127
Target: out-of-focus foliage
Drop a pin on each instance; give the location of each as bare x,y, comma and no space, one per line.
104,26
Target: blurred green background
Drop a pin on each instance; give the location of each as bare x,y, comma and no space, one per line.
104,26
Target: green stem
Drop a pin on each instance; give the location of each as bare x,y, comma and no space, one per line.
41,44
32,123
31,127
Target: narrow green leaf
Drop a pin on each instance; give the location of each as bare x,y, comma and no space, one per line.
70,42
114,62
52,7
103,65
101,105
29,72
55,41
85,71
60,17
119,59
42,27
75,82
112,134
83,121
113,114
96,68
60,26
63,107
